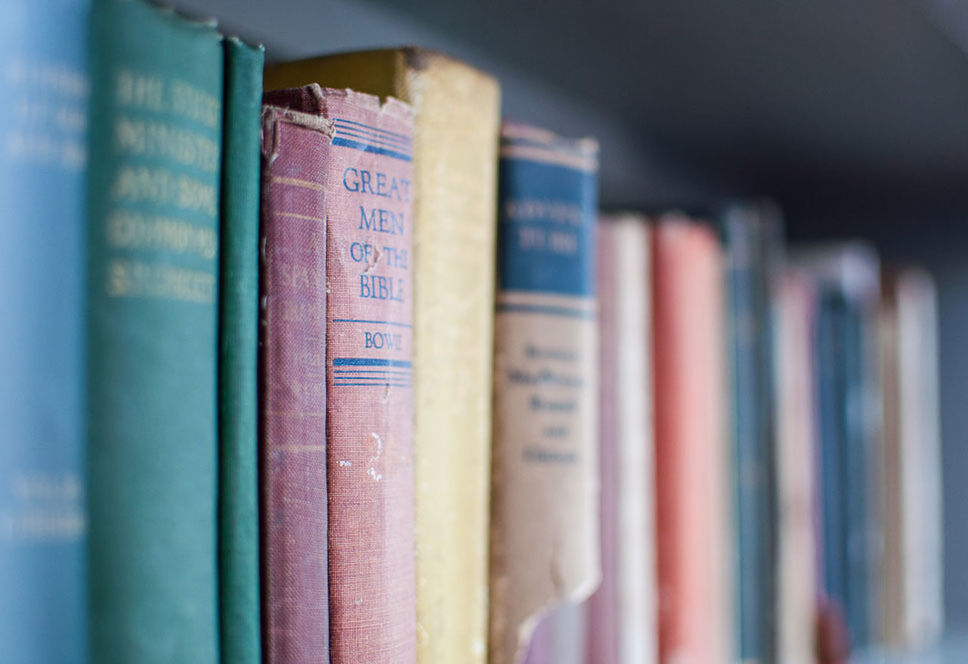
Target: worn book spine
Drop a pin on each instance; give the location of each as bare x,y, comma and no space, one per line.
747,233
43,118
238,357
796,442
457,111
153,204
292,388
368,170
621,613
544,500
693,521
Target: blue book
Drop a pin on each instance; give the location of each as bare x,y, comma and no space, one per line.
831,402
859,517
751,241
44,87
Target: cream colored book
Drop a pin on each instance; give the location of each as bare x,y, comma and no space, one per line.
913,580
544,521
457,112
796,442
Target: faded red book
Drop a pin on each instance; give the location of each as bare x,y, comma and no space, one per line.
692,515
293,389
365,166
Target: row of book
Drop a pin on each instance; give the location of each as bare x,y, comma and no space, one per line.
769,446
350,371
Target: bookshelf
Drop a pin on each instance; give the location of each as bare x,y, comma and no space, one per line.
851,115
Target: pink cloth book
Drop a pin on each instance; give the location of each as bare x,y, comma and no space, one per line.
694,551
293,391
366,169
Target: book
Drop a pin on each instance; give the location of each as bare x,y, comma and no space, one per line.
846,277
622,612
544,492
751,240
913,609
454,192
693,518
152,337
292,394
43,156
367,169
239,616
796,460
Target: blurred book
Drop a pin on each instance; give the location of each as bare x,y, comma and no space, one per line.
621,615
44,85
694,526
913,609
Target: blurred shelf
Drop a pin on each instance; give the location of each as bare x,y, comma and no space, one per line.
818,103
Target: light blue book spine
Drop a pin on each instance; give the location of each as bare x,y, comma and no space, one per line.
44,93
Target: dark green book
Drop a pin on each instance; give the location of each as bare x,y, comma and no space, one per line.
238,357
155,175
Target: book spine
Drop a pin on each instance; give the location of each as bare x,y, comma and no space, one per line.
292,390
152,334
859,472
749,322
625,602
238,357
603,606
455,184
544,524
795,451
691,453
43,118
831,397
368,169
921,478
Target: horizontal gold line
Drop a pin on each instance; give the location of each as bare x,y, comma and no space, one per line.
298,183
296,215
294,414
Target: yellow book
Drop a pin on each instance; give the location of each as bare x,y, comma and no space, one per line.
455,182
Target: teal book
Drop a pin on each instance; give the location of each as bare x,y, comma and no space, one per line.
152,337
238,357
43,115
751,237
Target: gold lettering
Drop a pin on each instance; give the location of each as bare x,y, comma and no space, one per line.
156,139
136,279
132,230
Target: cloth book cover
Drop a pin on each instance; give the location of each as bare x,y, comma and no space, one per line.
152,334
239,617
544,502
292,379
